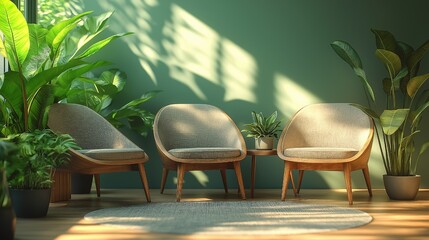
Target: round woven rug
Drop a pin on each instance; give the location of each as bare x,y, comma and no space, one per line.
231,218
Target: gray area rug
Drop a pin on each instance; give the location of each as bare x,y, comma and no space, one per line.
231,218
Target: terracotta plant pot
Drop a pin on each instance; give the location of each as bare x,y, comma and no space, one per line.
401,187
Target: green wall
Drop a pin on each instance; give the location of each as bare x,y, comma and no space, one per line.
245,55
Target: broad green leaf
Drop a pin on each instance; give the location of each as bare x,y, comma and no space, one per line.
114,77
362,76
391,60
15,31
38,104
64,81
136,102
99,45
2,47
59,31
87,97
92,26
417,56
415,84
11,91
347,53
392,120
39,50
405,51
47,75
385,40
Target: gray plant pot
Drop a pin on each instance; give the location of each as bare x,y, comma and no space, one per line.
264,143
402,187
30,203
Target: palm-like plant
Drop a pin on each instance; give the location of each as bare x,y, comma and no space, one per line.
406,99
262,126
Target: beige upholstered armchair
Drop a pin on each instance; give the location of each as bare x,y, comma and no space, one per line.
327,136
104,148
198,137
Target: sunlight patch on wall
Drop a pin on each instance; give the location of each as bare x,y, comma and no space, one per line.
289,96
141,44
195,52
239,73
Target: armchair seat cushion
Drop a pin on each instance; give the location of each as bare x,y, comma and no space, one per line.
114,153
205,152
320,152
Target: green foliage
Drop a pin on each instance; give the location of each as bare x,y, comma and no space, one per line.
44,61
262,126
406,99
7,153
39,153
97,93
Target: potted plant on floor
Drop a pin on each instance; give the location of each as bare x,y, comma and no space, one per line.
30,173
263,129
7,215
407,97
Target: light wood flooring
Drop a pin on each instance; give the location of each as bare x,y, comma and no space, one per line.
392,219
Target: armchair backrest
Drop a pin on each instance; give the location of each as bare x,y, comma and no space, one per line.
327,125
87,127
195,125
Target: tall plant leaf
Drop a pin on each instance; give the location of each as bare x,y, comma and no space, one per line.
417,56
16,35
38,104
347,53
59,31
99,45
415,84
11,91
39,50
392,120
391,60
385,40
64,81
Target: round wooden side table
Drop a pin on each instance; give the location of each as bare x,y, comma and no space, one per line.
261,152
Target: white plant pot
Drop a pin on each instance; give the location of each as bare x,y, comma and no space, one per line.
264,143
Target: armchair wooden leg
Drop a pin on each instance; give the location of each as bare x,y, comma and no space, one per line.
348,180
301,175
293,184
180,176
164,179
367,180
237,169
97,183
223,174
144,181
286,175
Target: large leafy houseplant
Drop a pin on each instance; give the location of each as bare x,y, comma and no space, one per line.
263,129
407,97
43,63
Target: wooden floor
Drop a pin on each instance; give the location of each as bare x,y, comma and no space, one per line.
392,219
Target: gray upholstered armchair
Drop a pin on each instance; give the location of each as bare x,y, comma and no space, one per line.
198,137
104,148
327,136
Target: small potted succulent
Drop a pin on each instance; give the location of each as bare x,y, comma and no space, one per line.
263,129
